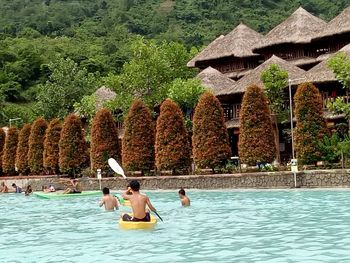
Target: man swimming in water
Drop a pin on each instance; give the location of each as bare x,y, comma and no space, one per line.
110,202
138,204
18,189
185,201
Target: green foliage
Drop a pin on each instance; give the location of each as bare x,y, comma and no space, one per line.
340,65
275,80
256,139
311,125
148,74
339,107
12,111
86,108
333,148
186,93
67,84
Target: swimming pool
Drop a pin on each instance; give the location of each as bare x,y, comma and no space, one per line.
233,226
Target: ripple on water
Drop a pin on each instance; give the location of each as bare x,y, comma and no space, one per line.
220,226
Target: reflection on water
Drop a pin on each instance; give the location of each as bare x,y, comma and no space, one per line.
220,226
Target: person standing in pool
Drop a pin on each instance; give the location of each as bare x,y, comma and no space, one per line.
18,189
4,188
75,189
109,201
185,201
29,190
138,204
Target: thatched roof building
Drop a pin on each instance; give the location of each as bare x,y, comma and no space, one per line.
321,72
103,94
238,43
299,28
338,25
215,81
254,77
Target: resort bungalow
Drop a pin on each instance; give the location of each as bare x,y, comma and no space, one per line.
231,54
302,42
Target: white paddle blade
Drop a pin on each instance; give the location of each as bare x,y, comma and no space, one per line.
116,167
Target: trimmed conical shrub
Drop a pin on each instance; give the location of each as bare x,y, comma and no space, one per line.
104,140
256,140
22,150
9,155
310,124
210,137
72,146
138,140
36,146
2,143
51,149
172,145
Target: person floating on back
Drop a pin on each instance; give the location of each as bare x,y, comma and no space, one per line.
109,201
138,204
185,201
4,188
75,189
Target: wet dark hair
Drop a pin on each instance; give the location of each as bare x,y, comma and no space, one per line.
182,191
134,185
14,185
105,191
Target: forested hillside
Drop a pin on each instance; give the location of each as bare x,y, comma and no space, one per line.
99,36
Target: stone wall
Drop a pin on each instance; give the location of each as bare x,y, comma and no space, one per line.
307,179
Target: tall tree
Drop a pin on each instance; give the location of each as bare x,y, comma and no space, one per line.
138,140
36,146
172,145
256,139
72,146
310,124
210,137
67,84
340,65
22,150
2,143
51,148
104,140
9,154
275,80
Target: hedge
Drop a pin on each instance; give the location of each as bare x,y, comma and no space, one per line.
51,149
172,145
9,155
36,146
22,150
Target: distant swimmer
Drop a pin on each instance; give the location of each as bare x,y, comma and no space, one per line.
29,190
185,201
74,189
18,189
4,188
138,204
109,201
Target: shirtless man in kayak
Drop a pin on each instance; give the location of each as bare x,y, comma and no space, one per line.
110,202
138,204
185,201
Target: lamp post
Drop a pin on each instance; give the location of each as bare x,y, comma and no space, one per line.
294,164
15,119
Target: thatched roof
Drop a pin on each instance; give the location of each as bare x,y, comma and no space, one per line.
215,80
239,43
338,25
254,77
103,94
321,72
300,27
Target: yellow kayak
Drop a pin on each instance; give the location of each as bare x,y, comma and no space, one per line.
129,225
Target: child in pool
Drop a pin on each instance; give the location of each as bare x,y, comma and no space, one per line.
4,188
185,201
28,191
138,204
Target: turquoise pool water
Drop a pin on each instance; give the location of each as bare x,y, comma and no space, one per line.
234,226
